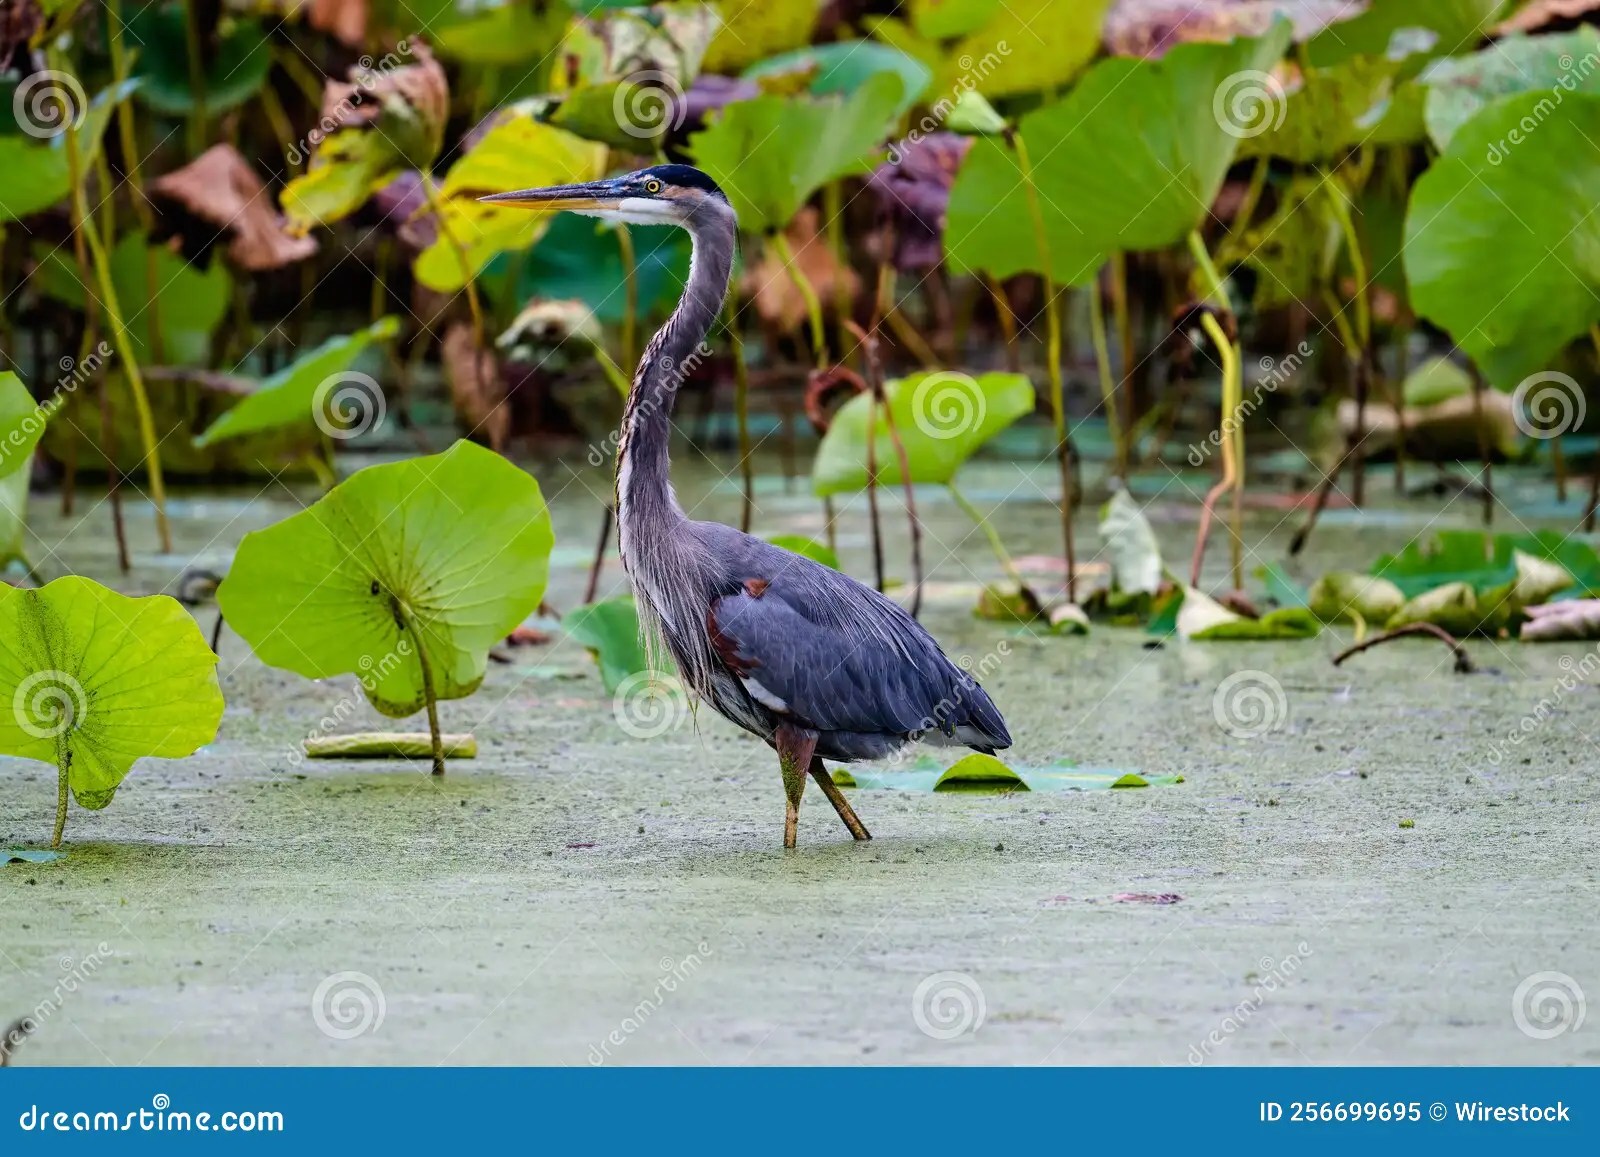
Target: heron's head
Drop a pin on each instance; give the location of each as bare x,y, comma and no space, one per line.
659,195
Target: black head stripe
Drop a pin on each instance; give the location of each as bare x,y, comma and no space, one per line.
683,177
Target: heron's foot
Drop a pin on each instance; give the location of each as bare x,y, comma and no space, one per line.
836,798
795,747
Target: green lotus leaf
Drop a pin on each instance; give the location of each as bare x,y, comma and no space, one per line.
1436,380
609,630
517,153
997,48
845,65
751,31
1332,110
318,388
22,422
941,417
1510,205
502,32
1461,87
1414,31
14,515
189,303
810,548
346,168
94,680
236,61
579,258
771,153
38,172
404,574
1102,186
1451,556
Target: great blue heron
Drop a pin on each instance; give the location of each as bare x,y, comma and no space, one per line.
813,662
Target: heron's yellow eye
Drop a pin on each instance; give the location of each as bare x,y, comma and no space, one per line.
652,186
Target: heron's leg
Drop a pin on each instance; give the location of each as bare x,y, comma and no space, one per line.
836,798
795,746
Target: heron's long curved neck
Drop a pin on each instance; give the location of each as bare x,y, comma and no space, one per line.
645,502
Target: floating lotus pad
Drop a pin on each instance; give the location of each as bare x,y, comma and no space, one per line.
985,774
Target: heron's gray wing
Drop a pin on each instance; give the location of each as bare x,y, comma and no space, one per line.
817,646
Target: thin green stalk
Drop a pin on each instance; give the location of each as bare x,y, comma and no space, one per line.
197,79
1108,385
428,695
989,531
1358,266
1233,448
469,281
1058,404
84,228
1124,323
819,335
1232,462
63,767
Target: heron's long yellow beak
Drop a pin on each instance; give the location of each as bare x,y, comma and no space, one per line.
590,195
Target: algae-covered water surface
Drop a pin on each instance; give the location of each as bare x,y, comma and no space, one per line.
1364,873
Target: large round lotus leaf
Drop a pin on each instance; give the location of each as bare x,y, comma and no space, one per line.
1460,87
97,680
452,550
1132,160
1502,240
941,419
771,153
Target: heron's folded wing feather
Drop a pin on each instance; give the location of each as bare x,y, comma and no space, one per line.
870,669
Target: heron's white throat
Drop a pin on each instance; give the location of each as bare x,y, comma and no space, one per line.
639,211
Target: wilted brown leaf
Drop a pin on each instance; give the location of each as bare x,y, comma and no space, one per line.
219,188
476,385
408,84
1549,16
344,20
768,284
1151,27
